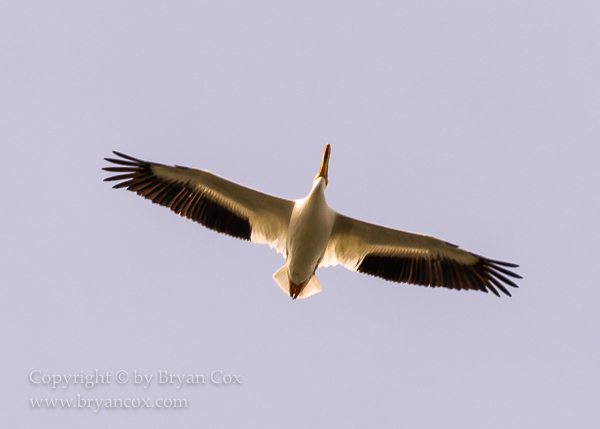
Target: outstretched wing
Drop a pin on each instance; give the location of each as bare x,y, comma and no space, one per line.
405,257
206,198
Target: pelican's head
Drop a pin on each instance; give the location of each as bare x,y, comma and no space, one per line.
325,164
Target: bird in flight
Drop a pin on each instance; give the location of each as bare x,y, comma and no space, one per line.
308,232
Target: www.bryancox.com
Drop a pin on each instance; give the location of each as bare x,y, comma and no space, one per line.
59,382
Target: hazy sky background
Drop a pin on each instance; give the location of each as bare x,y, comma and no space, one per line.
476,122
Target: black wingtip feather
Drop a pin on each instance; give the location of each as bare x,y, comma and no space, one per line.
505,264
119,169
131,158
121,162
120,177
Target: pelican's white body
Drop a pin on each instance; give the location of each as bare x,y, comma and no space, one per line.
308,234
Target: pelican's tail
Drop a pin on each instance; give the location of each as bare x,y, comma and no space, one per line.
282,278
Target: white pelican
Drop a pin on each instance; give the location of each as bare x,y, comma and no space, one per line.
308,232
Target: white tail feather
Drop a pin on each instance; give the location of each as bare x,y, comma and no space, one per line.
311,288
281,277
283,281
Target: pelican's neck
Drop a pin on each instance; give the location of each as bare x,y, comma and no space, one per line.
318,188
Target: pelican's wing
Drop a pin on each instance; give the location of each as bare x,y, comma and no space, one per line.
210,200
405,257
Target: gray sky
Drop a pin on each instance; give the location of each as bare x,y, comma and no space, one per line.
476,122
